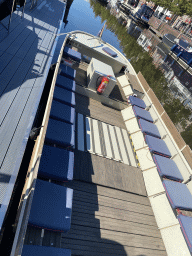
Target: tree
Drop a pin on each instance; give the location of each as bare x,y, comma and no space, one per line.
177,112
187,135
179,7
143,62
183,7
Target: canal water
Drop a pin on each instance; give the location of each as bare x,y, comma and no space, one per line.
81,17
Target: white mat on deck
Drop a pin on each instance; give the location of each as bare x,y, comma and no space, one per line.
104,140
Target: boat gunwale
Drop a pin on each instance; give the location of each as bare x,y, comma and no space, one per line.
130,68
32,172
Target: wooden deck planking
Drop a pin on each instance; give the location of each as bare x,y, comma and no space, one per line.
33,236
102,140
13,47
121,145
107,141
13,117
16,19
20,80
116,214
12,69
23,75
80,132
16,32
5,21
5,59
88,233
95,109
104,225
116,225
10,92
114,143
95,249
129,207
94,189
96,137
38,62
109,173
129,148
50,238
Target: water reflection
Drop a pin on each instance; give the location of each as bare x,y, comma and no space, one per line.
122,32
148,57
68,5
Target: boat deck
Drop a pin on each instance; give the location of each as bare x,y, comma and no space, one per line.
111,212
95,109
25,57
107,221
109,217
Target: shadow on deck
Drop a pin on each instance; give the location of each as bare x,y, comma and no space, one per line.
111,212
25,58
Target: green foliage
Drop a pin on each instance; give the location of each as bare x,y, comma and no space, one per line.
179,7
187,135
177,112
142,61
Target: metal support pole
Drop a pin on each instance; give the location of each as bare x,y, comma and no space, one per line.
11,14
23,9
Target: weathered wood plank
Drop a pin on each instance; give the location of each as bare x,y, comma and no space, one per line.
115,213
111,237
51,238
96,137
114,204
93,248
12,89
118,225
129,148
93,108
121,145
94,197
114,143
4,78
107,141
33,236
106,221
112,172
5,59
80,132
108,192
8,40
102,134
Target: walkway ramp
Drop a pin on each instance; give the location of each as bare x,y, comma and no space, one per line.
102,139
